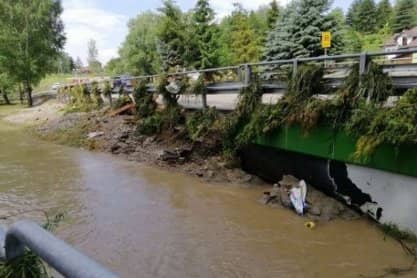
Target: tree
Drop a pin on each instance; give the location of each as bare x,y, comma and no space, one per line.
63,64
6,84
171,34
273,14
139,52
352,13
204,55
114,66
92,57
384,13
366,17
31,38
353,41
298,34
404,15
78,64
243,40
279,44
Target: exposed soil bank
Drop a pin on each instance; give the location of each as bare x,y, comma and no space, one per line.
170,150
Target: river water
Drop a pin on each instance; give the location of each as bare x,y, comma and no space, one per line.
145,222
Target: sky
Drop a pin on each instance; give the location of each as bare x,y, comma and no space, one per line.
105,21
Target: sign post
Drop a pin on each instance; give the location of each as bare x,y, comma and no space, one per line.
326,42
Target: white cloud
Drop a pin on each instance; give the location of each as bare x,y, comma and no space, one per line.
84,20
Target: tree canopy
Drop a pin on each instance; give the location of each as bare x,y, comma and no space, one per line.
31,38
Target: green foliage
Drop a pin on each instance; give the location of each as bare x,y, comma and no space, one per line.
353,41
365,19
63,64
273,14
199,123
373,42
384,13
96,99
145,103
397,125
243,39
29,265
395,232
153,121
249,100
205,53
139,52
150,125
114,66
375,84
171,35
404,15
298,34
31,37
83,99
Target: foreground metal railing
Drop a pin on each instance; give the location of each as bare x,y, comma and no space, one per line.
58,254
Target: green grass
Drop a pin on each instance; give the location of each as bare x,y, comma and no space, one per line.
394,231
50,79
63,78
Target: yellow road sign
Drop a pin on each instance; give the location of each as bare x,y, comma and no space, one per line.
326,39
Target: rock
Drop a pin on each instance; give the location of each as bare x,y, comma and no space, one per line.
315,210
148,141
95,134
284,197
114,148
210,174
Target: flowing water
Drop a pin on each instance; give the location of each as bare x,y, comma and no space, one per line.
145,222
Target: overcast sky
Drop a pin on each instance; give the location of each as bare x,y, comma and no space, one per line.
106,20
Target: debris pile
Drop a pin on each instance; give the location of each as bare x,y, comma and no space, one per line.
294,194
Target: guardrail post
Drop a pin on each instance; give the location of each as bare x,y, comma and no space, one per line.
294,67
204,93
248,74
362,63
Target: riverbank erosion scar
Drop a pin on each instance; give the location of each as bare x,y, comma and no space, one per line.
98,131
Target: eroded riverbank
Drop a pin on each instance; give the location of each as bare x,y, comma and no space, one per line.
160,223
169,150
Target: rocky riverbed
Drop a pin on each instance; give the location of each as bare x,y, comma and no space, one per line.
98,131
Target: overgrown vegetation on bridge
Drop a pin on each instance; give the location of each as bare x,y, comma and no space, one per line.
358,108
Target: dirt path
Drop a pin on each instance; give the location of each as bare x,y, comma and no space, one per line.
48,111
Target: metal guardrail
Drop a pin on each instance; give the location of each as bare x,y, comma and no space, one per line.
58,254
403,74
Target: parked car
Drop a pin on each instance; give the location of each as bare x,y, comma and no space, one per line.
124,81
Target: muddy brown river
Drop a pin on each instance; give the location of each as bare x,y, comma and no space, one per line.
145,222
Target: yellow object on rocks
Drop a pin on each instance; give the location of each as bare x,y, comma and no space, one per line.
310,225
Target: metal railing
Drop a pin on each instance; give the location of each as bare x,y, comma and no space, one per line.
58,254
403,72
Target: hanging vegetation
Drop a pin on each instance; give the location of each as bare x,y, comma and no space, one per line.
377,125
30,265
200,123
145,103
249,100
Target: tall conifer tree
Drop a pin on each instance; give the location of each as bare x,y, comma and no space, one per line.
404,15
